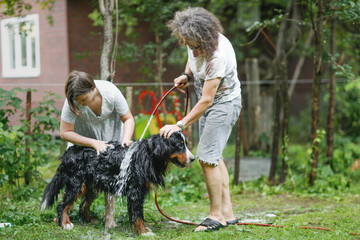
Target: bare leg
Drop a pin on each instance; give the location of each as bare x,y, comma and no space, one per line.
109,210
214,185
227,210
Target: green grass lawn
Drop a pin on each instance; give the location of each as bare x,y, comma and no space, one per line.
186,200
339,213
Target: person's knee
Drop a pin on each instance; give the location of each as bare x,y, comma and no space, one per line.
225,185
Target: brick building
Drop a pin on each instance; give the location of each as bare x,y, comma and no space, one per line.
43,58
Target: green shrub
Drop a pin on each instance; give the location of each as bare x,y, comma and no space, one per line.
186,184
21,154
347,117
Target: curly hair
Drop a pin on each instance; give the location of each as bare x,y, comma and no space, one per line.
77,83
198,27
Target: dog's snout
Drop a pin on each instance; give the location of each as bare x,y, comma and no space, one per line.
190,156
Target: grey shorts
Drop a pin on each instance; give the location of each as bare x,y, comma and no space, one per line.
215,128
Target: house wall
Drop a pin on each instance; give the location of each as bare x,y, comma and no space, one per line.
85,43
85,40
54,56
73,43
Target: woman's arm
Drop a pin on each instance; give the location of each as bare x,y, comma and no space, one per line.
182,81
67,133
206,101
129,126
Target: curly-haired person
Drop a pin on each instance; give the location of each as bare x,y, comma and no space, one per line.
212,65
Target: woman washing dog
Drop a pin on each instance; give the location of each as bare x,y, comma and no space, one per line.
94,113
212,65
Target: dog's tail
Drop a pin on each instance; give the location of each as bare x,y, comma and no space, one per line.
52,190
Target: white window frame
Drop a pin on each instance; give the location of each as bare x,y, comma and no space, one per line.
11,58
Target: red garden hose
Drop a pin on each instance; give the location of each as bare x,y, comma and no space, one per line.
254,224
165,95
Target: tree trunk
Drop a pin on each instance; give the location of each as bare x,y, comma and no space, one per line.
243,130
237,152
285,123
159,70
332,96
276,133
300,63
317,75
129,96
280,63
252,75
295,29
27,176
106,8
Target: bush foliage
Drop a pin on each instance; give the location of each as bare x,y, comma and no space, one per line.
21,153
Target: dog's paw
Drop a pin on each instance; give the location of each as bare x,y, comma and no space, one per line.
68,226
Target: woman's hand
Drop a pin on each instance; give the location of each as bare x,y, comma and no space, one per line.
167,130
100,146
126,143
181,83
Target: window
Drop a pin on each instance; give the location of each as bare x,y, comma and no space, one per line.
20,50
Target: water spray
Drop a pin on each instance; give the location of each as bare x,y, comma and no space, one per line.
157,106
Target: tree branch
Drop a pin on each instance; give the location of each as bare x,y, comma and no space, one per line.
300,63
102,7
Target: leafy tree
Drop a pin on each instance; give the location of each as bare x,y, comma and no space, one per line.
343,12
316,13
13,8
332,92
288,24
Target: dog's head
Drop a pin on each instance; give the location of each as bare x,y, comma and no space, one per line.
181,155
176,148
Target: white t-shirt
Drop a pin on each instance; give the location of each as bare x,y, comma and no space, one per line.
107,126
223,65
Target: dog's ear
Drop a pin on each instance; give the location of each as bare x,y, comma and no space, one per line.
160,147
160,150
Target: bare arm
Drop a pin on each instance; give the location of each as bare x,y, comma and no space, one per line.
182,81
129,126
206,101
67,133
208,95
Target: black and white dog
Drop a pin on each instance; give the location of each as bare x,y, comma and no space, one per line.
120,171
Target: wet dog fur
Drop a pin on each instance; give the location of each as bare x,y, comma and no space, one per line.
82,173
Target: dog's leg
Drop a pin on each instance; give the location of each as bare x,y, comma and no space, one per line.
135,202
66,205
84,208
109,210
